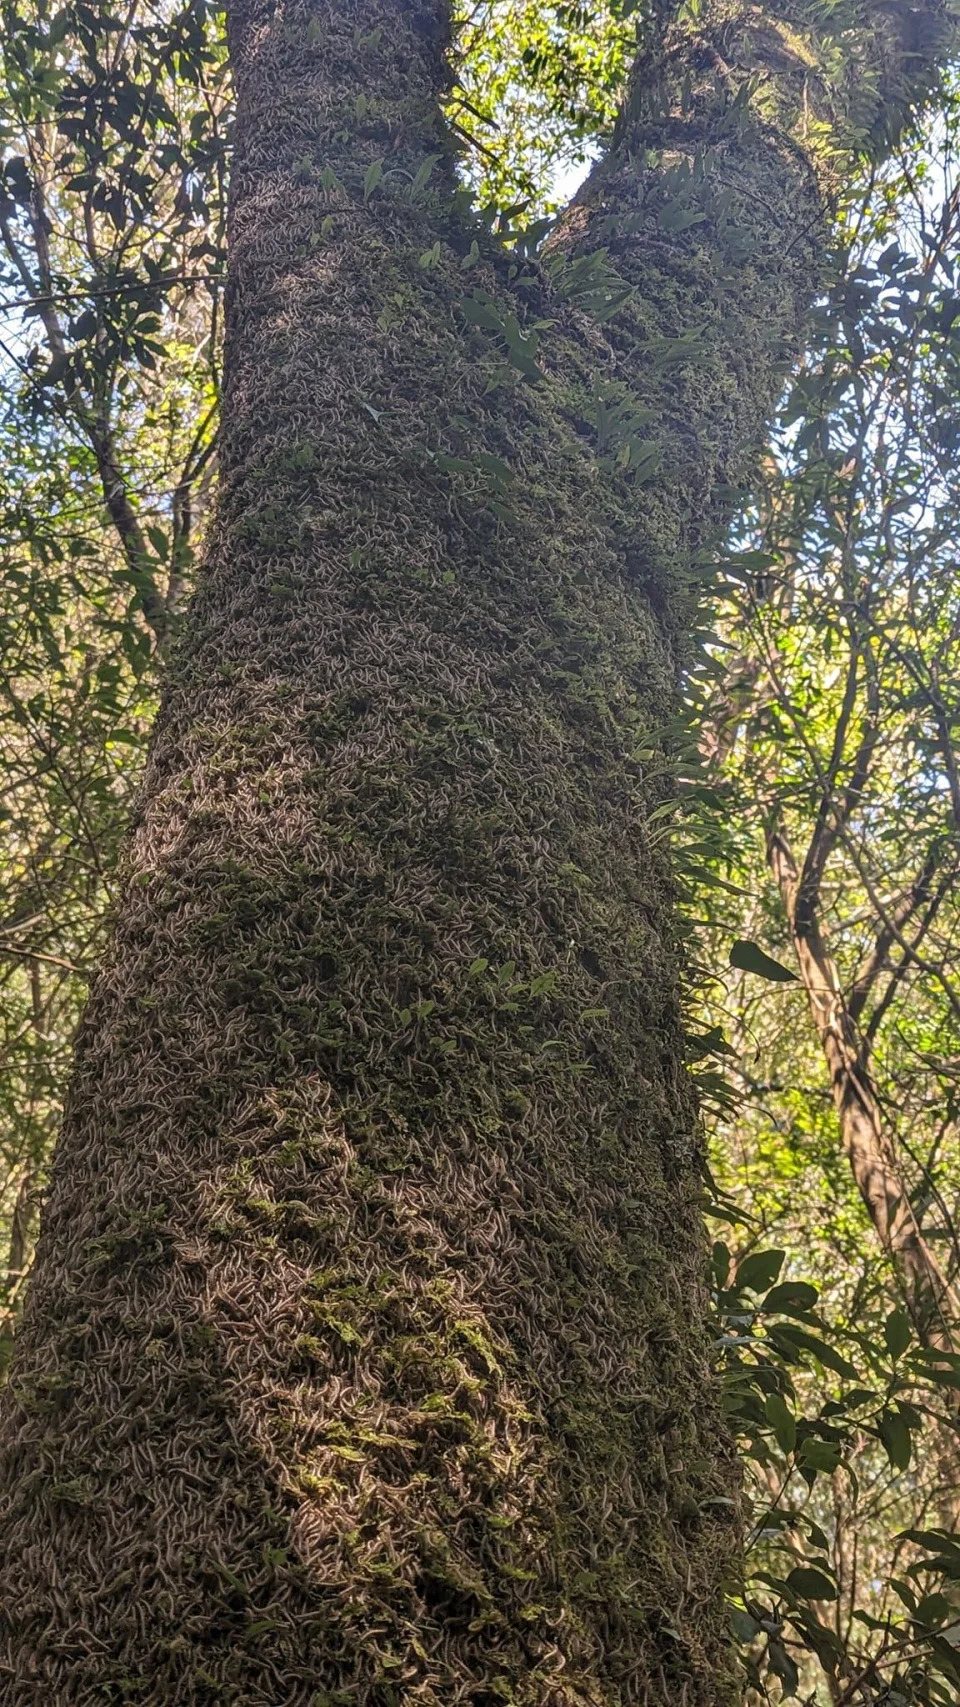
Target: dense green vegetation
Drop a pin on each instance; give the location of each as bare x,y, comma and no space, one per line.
813,789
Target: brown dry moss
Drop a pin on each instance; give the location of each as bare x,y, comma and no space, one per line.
365,1364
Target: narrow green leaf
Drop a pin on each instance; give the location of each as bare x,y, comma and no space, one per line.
818,1348
748,957
895,1435
158,540
897,1333
782,1421
423,175
480,311
783,1667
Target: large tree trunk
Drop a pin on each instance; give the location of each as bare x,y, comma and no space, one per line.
365,1360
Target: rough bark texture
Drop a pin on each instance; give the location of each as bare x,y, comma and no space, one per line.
365,1360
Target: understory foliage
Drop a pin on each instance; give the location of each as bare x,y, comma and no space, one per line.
824,699
111,259
828,702
536,87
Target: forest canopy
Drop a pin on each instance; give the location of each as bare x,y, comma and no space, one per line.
806,781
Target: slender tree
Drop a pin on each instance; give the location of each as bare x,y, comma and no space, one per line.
365,1358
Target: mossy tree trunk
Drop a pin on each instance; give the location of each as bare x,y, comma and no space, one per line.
365,1360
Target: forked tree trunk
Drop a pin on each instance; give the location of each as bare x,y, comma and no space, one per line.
365,1360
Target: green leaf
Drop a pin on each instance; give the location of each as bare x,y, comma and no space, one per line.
905,1593
371,178
945,1659
897,1333
158,540
675,217
782,1421
818,1348
604,308
59,26
454,464
810,1584
423,176
499,471
759,1270
791,1295
783,1667
817,1536
480,311
933,1541
820,1455
895,1435
745,1628
932,1610
344,1330
642,457
748,957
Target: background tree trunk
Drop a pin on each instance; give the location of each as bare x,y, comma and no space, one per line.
926,1289
365,1360
873,1161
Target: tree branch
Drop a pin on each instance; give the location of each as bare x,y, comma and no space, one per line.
833,818
909,958
905,909
93,423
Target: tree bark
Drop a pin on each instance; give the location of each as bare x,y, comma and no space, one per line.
365,1359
